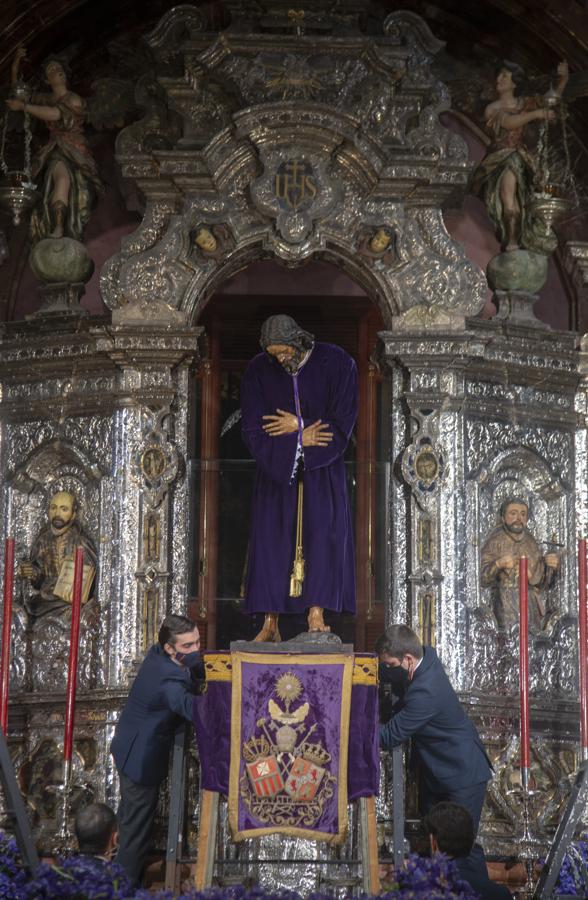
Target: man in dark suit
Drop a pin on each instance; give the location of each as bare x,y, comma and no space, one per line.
451,831
454,764
162,694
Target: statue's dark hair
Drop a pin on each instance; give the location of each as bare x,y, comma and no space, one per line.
94,826
452,827
510,500
519,79
172,626
397,641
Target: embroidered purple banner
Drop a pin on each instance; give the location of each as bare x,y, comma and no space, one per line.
289,745
212,723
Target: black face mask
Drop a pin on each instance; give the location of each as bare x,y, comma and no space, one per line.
396,677
189,659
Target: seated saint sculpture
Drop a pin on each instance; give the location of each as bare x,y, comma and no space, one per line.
501,552
54,545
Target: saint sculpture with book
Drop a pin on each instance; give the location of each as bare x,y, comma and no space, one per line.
50,568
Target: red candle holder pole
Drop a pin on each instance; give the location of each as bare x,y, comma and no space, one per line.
6,631
524,670
583,645
72,668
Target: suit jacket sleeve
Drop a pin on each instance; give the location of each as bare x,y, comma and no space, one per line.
179,697
416,712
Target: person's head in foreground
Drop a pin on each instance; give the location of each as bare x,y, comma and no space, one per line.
96,830
451,829
180,639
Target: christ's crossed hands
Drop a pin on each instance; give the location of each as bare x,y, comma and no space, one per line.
315,435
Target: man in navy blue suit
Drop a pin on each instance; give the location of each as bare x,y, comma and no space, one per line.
451,831
454,764
162,694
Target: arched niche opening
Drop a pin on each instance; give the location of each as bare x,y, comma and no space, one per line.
328,303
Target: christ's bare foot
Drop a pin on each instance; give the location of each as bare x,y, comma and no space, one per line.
315,619
269,631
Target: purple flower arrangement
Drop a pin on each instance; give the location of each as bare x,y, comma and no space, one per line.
85,878
428,878
573,875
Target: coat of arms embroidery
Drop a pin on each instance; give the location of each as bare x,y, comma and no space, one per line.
287,779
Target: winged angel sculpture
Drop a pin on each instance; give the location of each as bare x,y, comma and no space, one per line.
64,167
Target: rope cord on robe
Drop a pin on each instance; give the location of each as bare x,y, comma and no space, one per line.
297,576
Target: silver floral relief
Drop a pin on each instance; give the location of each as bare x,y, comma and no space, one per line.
433,270
519,393
79,441
162,515
49,651
552,766
575,259
181,512
155,221
431,139
553,671
38,761
162,283
158,128
57,387
553,664
485,438
177,23
342,78
412,32
424,380
202,104
124,624
525,353
157,276
581,464
399,512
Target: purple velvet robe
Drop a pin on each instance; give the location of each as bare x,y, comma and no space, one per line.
327,385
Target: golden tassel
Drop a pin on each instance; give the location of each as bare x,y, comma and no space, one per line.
297,576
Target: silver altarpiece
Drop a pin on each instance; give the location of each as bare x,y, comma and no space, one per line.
293,143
